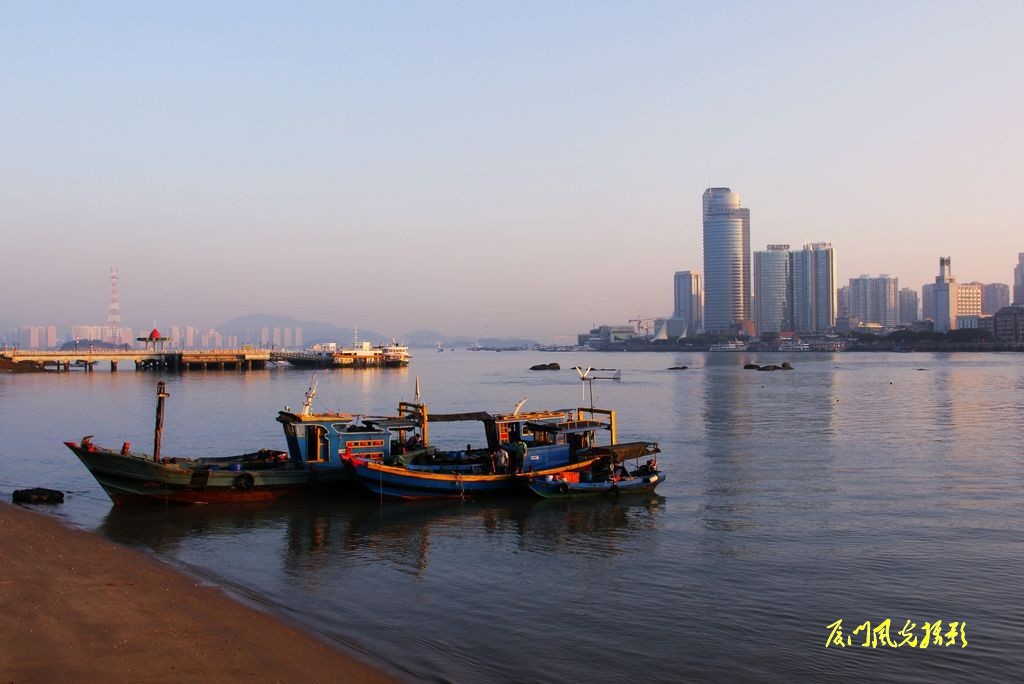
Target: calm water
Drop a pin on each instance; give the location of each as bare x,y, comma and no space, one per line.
860,487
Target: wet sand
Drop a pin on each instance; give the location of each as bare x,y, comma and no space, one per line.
77,607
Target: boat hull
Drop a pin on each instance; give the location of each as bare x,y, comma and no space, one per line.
136,478
396,482
554,489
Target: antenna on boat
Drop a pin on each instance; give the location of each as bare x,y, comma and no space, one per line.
519,405
585,378
307,405
417,388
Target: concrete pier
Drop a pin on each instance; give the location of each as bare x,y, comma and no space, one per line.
147,359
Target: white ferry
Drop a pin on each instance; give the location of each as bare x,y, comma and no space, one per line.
731,346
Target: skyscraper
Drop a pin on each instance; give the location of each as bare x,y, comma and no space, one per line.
874,300
928,302
814,288
908,306
994,297
726,260
772,289
945,297
688,313
1018,280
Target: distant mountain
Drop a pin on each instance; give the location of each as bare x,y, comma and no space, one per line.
424,338
248,328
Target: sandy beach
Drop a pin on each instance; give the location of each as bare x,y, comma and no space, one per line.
77,607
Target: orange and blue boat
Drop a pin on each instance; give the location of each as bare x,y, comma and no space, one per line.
541,444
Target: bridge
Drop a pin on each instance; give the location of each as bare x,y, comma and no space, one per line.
145,359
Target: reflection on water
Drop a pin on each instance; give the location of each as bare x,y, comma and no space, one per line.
310,536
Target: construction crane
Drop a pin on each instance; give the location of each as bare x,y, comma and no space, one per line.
643,325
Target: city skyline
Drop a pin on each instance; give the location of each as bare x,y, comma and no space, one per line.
342,164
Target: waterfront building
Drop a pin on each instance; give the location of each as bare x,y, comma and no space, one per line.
602,336
994,297
1018,280
874,300
946,297
814,288
1009,324
928,302
688,311
969,299
907,306
843,302
772,299
33,337
726,261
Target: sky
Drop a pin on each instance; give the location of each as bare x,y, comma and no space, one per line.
488,168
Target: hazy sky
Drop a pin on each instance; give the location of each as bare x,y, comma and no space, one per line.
489,167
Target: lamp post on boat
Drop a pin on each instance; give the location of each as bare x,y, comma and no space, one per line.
158,432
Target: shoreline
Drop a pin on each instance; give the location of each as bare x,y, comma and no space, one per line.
79,607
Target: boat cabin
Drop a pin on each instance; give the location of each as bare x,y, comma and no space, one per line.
327,438
550,438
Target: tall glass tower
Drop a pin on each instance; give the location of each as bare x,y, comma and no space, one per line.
726,260
773,290
815,301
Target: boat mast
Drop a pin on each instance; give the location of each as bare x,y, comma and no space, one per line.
159,431
307,405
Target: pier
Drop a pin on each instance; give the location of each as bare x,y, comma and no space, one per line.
146,359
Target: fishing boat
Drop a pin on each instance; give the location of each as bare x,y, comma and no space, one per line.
313,462
542,443
613,481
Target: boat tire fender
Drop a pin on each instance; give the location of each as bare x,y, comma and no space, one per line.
563,488
244,481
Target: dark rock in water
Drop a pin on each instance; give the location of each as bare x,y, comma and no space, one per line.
786,366
751,366
769,367
554,366
678,368
546,366
38,495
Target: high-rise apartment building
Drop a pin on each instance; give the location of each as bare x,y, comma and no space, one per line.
814,288
726,260
874,300
908,306
1018,280
33,336
688,310
945,297
843,302
994,297
772,290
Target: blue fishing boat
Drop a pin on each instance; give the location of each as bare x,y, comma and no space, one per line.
539,444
